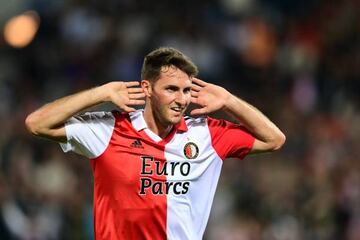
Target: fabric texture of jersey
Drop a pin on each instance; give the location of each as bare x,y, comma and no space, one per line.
146,187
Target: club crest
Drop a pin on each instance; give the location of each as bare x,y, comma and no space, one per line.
191,150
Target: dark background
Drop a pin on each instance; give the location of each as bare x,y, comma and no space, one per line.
297,61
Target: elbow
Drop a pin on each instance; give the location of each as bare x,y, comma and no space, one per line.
273,143
31,125
278,141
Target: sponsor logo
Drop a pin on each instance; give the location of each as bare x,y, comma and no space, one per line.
191,150
137,144
154,173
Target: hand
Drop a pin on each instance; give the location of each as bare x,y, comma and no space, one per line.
210,97
124,94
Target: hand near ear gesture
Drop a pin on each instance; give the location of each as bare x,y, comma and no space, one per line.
125,94
209,96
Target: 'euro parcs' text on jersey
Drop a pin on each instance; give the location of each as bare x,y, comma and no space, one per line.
146,187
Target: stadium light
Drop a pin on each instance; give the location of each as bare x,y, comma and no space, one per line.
20,30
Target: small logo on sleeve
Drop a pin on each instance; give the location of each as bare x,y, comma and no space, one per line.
191,150
136,144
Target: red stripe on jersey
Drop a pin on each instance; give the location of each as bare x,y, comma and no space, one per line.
121,173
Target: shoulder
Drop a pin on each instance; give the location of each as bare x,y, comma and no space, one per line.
88,134
93,117
119,115
207,121
195,122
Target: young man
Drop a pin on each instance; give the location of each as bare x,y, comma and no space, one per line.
155,171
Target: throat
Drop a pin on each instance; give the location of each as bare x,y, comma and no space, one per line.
155,125
164,132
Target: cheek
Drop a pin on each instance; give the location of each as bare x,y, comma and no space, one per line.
165,99
161,102
188,98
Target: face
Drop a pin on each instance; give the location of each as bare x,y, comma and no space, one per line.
170,95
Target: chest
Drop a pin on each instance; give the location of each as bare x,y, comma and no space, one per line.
140,162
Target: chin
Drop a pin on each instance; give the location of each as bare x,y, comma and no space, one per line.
174,120
169,118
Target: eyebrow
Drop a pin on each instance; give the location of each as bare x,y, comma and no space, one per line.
174,86
171,86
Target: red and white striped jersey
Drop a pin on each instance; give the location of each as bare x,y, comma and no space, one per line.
146,187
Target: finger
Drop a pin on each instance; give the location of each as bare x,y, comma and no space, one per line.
135,90
128,109
132,84
195,87
194,94
194,100
199,82
117,101
136,102
136,95
198,111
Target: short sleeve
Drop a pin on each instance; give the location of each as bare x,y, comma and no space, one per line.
230,139
89,134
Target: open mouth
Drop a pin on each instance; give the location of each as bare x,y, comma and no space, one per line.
177,109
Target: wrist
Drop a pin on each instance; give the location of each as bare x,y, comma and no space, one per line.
100,94
229,102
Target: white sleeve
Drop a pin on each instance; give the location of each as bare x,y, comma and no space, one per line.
89,134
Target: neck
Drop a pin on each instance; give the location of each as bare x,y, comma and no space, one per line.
162,130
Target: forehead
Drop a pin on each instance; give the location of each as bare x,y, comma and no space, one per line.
173,75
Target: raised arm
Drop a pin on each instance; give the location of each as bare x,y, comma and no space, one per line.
48,121
212,98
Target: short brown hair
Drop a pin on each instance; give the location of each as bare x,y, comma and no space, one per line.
166,56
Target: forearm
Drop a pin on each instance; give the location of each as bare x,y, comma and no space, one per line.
256,122
54,114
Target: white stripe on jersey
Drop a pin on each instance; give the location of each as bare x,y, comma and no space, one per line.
188,213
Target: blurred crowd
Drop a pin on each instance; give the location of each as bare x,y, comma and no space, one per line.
297,61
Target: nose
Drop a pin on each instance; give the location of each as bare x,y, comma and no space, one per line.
181,98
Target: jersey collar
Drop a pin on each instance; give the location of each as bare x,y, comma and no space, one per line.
138,121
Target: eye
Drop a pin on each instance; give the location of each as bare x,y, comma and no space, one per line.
187,90
171,89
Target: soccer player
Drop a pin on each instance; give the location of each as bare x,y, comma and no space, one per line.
155,171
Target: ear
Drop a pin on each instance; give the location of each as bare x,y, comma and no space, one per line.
146,86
